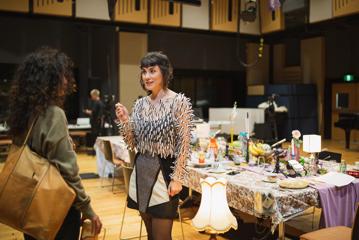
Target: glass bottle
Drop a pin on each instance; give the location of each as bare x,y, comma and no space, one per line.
343,167
213,146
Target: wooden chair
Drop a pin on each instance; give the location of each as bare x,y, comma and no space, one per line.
110,157
127,170
334,233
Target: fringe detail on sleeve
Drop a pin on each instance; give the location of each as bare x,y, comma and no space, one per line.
184,125
126,130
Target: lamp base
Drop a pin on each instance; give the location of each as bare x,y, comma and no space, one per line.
213,237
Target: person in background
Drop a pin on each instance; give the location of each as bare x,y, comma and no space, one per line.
96,115
38,91
160,130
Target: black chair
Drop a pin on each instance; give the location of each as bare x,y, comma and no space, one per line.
264,131
326,155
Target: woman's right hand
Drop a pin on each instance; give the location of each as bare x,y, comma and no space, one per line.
121,112
96,225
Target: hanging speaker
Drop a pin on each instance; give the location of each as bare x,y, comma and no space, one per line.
249,13
111,8
137,5
171,7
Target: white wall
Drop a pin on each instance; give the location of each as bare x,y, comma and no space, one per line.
320,10
196,17
94,9
133,46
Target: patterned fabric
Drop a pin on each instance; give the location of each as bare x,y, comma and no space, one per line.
243,188
162,129
150,165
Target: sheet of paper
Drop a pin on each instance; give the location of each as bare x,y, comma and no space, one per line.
335,178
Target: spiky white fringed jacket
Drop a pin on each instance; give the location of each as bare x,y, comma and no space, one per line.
162,129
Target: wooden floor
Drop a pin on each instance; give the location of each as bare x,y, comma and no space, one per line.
109,206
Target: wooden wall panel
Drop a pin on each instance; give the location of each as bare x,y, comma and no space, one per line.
345,7
160,13
281,73
126,11
259,73
313,71
220,20
353,91
270,21
53,7
15,5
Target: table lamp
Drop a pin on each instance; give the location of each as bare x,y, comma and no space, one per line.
313,144
214,215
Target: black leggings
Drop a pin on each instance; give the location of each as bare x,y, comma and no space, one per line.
157,228
70,229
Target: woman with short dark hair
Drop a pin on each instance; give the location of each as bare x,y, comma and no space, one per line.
159,128
38,91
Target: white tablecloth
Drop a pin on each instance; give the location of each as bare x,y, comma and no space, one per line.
104,167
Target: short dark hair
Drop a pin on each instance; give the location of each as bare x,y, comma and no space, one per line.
161,60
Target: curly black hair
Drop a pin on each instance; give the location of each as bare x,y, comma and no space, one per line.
39,82
161,60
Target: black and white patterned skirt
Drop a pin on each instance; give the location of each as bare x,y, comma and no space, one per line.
148,186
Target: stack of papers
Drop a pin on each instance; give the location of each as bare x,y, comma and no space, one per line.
335,178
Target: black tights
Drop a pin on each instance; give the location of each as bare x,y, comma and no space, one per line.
157,228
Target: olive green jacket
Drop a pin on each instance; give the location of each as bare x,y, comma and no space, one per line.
50,138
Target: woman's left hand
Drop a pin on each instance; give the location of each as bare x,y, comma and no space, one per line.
174,188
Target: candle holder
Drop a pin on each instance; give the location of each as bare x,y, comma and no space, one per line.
277,154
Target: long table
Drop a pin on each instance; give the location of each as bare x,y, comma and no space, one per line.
246,191
249,193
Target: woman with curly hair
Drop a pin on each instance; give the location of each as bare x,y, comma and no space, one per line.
38,92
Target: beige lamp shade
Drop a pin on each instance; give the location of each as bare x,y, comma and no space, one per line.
214,214
312,143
